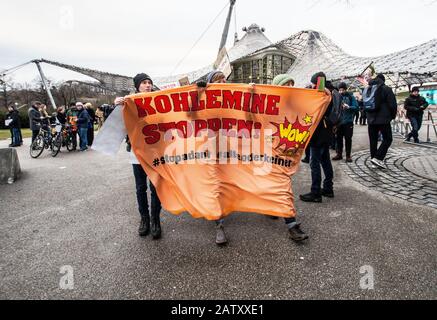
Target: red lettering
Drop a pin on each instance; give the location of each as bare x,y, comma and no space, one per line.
185,129
199,125
244,128
151,133
232,100
195,105
258,102
214,124
272,108
228,124
164,127
143,106
211,99
180,102
163,104
246,103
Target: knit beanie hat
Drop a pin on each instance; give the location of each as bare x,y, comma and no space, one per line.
282,79
342,85
140,78
316,76
210,77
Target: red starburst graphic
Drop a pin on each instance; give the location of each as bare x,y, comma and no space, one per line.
292,136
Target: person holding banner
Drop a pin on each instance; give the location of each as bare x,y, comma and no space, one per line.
320,157
294,229
216,77
150,223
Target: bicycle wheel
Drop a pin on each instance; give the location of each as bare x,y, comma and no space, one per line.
56,145
37,146
69,143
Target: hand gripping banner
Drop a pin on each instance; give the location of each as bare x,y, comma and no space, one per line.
226,148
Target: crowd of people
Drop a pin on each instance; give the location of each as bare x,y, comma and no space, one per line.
79,118
376,106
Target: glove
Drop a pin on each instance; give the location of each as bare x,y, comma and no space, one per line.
201,84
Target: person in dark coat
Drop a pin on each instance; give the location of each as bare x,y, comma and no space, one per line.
415,106
320,157
379,120
34,119
92,114
83,120
150,220
13,120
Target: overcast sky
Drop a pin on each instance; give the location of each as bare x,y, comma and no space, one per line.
127,37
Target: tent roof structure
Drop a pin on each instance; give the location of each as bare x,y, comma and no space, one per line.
315,52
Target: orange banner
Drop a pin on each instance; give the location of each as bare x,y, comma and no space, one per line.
226,148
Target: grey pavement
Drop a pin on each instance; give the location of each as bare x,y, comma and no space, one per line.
79,210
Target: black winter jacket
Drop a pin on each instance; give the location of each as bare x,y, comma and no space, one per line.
386,105
13,115
34,119
324,133
415,106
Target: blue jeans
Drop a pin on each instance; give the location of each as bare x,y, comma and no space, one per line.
83,134
416,123
320,157
16,137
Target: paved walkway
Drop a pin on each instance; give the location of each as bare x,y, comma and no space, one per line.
410,174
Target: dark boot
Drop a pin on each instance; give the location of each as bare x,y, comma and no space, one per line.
328,194
306,160
311,197
144,228
337,157
297,234
220,236
349,159
156,226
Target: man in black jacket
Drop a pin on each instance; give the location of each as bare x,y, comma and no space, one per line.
35,119
415,105
379,120
319,149
14,125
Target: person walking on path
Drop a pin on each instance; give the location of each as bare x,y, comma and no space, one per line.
381,108
415,106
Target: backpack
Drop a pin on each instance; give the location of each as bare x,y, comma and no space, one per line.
336,115
369,95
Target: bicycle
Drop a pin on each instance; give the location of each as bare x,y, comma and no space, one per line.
67,135
47,139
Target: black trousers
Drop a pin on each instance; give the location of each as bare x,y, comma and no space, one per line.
363,117
387,139
345,131
90,135
34,134
141,189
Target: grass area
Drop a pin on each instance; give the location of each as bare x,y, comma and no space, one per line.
6,134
